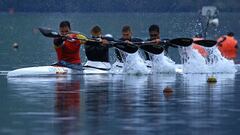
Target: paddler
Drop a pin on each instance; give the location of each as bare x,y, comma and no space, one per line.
154,60
228,46
67,48
126,37
98,52
154,37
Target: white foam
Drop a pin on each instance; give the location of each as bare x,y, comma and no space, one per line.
218,64
194,62
134,64
162,64
117,68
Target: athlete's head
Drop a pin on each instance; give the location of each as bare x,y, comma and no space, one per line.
96,31
64,27
231,34
154,31
126,32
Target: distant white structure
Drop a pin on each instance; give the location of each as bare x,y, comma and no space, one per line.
209,11
210,17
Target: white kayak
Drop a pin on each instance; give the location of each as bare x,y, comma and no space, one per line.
62,71
92,68
52,70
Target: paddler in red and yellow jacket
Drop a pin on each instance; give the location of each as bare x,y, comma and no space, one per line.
228,46
199,48
68,48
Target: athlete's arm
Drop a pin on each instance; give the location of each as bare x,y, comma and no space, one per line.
58,42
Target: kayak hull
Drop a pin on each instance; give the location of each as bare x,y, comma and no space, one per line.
63,71
52,70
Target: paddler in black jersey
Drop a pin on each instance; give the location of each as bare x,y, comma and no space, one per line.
98,52
126,37
154,36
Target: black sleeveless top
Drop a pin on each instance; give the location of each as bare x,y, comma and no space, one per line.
96,52
119,54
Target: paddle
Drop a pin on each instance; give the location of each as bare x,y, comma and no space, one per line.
125,46
154,49
206,43
183,42
145,45
148,46
49,33
120,45
53,34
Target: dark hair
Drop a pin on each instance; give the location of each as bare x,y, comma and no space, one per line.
96,29
154,27
231,34
65,24
126,28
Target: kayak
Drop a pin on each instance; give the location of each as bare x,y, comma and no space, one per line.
63,71
52,70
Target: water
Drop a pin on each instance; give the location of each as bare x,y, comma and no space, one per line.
120,104
111,104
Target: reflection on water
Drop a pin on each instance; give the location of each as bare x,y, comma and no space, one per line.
67,106
122,104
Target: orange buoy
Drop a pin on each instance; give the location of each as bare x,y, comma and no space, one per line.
167,91
227,45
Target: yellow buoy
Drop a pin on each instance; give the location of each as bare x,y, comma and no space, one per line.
212,79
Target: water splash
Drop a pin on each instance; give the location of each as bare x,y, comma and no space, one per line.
218,64
162,64
134,64
194,62
117,68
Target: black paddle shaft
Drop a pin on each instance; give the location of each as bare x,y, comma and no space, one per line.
120,45
49,33
206,43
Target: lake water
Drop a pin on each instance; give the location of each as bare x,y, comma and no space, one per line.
120,104
111,104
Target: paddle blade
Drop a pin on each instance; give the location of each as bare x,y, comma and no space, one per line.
184,42
49,33
206,43
154,49
126,47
